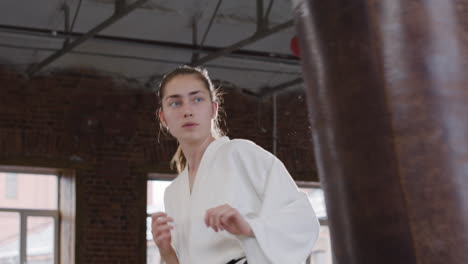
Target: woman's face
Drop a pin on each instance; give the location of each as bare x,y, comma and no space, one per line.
187,108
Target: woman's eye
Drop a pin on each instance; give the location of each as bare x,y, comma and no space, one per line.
198,99
174,104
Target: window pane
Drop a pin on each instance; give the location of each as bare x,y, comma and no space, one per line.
155,203
11,186
30,191
322,249
317,199
40,240
321,253
155,198
9,238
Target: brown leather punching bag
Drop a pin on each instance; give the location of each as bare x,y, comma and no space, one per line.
387,90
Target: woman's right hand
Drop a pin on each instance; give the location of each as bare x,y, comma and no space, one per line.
161,231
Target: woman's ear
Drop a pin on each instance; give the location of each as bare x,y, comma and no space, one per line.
215,110
162,118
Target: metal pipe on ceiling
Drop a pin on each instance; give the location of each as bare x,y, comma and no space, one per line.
242,54
120,13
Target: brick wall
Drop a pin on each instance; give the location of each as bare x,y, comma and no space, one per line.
105,129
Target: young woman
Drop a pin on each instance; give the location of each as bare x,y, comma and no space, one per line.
233,202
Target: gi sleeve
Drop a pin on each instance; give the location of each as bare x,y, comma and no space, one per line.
286,226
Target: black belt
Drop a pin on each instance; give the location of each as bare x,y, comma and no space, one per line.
234,261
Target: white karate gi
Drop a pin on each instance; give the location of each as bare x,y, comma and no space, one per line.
245,176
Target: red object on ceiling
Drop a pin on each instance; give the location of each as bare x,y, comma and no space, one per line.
295,47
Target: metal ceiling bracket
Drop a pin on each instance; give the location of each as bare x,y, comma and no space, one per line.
66,13
114,18
260,20
215,12
196,55
254,38
263,17
269,91
194,39
266,18
119,6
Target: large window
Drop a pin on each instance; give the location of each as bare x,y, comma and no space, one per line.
29,215
157,184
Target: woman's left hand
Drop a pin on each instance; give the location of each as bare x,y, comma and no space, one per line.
225,217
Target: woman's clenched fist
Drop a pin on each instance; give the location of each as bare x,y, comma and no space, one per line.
161,230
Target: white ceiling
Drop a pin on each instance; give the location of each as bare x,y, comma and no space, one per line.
31,30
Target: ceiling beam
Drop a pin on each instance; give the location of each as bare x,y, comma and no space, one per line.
120,12
254,38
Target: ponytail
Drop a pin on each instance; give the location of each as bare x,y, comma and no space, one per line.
179,161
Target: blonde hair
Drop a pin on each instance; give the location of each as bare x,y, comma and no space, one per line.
178,160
